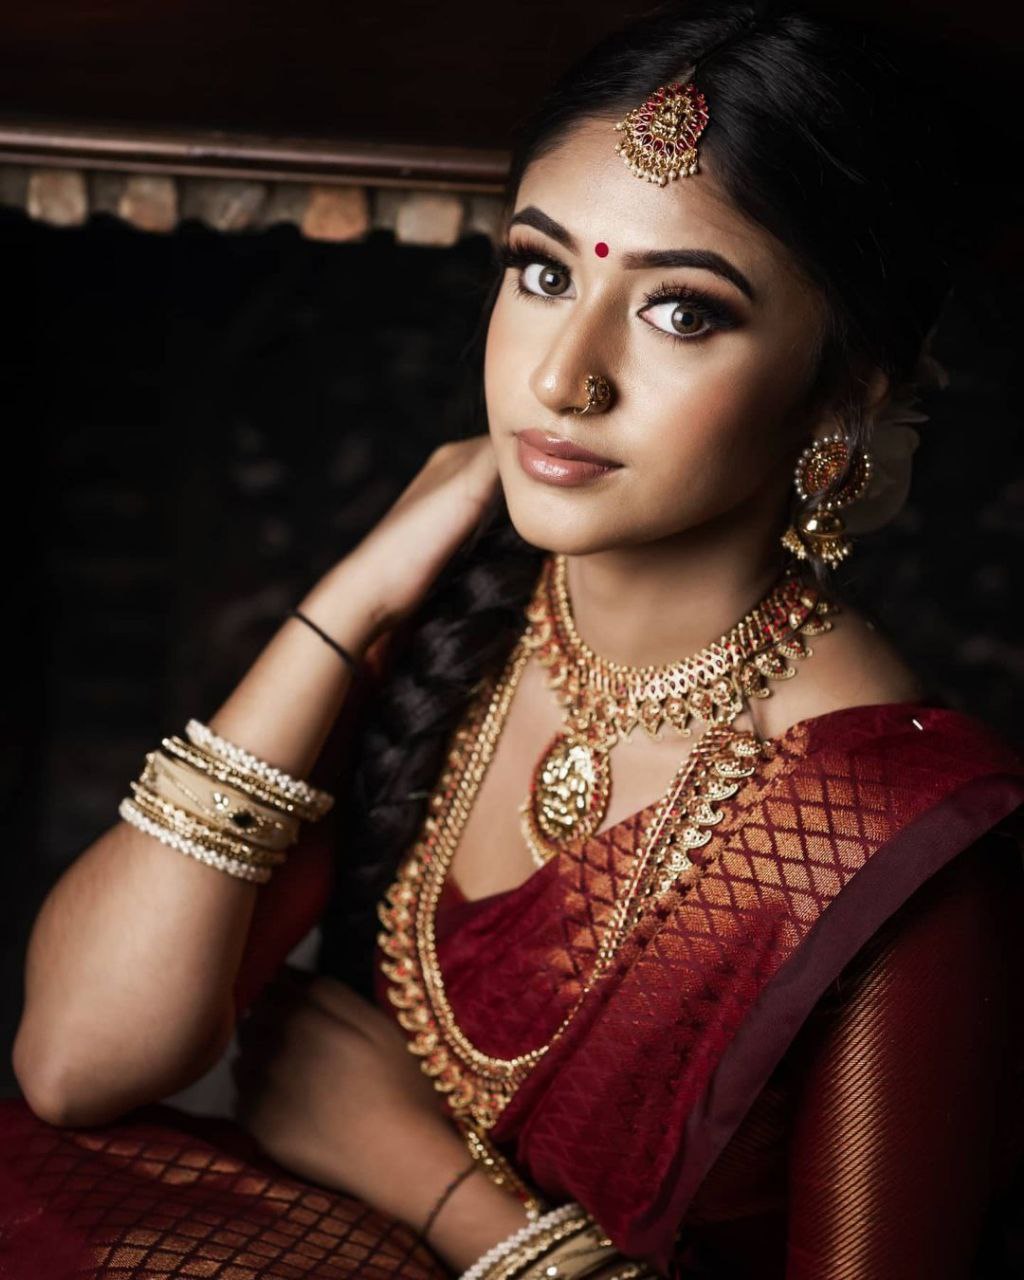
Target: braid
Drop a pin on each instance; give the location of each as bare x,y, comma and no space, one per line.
461,634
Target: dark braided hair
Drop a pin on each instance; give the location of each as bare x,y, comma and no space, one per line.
824,133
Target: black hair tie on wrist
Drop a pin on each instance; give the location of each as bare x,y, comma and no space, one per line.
459,1177
339,649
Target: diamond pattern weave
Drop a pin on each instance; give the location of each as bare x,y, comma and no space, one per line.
162,1194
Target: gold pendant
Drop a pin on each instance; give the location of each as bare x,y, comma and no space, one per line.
568,794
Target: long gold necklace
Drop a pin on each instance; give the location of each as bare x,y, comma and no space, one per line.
571,784
478,1086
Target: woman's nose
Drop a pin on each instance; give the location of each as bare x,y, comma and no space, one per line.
563,380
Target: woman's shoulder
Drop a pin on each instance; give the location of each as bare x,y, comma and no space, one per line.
851,665
855,692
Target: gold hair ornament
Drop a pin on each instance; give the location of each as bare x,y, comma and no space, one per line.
661,133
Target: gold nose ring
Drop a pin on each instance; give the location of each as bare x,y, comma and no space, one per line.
598,392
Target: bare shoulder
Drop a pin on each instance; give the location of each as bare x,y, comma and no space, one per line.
852,665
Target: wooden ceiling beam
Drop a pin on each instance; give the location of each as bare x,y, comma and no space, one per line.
256,157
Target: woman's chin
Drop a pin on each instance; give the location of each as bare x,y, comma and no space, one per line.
561,532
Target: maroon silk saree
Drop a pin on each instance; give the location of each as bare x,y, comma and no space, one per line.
628,1114
805,1065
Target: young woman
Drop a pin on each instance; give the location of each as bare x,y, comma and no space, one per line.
670,926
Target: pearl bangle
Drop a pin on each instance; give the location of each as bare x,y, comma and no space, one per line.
202,736
518,1238
244,871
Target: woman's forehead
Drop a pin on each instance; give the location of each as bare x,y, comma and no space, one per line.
584,186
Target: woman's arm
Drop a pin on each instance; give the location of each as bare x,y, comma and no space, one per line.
132,962
898,1129
328,1087
130,966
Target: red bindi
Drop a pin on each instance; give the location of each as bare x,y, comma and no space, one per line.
601,249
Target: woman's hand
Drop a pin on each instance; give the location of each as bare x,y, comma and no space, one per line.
399,559
327,1086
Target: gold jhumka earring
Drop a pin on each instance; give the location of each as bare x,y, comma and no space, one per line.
819,532
598,391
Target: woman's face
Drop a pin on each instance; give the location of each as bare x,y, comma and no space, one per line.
709,362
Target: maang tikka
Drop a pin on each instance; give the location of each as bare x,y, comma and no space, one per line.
661,133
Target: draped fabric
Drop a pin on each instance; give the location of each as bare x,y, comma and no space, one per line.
163,1194
809,1065
630,1108
883,1143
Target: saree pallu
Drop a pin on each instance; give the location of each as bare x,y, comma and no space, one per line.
784,1003
811,1012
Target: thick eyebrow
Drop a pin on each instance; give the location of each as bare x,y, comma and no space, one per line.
531,216
704,259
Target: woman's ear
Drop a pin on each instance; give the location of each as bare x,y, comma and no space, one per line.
879,384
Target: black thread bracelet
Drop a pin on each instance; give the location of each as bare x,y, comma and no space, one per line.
339,649
422,1233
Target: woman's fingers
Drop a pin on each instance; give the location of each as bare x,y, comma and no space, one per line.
403,554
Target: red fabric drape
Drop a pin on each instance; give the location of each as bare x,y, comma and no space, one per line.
628,1112
893,1122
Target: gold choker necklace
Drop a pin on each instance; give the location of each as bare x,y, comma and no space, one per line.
601,699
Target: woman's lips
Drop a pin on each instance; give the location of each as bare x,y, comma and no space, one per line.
560,448
543,458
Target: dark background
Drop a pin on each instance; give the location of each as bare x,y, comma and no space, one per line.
455,73
198,424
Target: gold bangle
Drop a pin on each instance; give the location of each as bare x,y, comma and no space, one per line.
516,1263
183,823
221,806
159,831
316,802
252,785
576,1254
569,1260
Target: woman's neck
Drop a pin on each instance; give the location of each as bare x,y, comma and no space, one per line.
659,602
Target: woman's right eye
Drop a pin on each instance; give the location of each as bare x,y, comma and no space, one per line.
544,280
536,274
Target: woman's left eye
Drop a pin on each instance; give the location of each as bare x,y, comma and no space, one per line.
679,319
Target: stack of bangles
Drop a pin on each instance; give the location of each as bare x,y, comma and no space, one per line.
215,801
208,798
566,1242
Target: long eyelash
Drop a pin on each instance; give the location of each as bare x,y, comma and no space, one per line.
519,256
716,313
523,254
